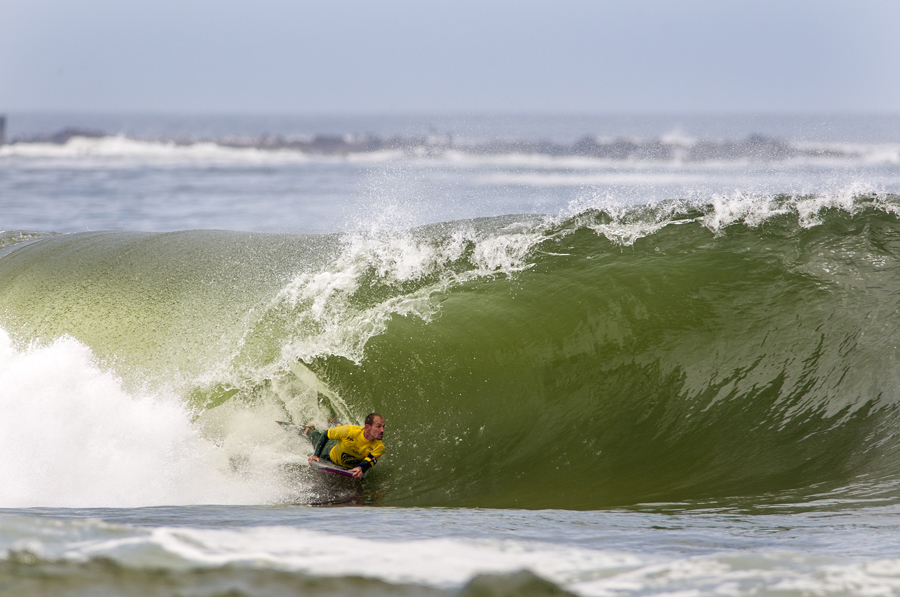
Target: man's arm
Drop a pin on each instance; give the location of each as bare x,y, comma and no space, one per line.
321,445
317,453
367,463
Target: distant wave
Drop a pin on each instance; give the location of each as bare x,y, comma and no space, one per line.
667,149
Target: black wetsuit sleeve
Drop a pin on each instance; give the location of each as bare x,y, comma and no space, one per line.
321,445
368,463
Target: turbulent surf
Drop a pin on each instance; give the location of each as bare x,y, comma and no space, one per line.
728,348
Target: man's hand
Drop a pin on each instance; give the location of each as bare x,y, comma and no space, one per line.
311,458
357,472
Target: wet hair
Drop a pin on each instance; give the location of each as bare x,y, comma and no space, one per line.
370,419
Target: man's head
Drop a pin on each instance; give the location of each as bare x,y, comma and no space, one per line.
374,428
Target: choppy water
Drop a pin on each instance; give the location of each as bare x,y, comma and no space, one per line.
666,377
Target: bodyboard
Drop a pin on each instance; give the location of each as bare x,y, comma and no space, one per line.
327,467
330,467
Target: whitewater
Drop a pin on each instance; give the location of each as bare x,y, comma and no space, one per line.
632,375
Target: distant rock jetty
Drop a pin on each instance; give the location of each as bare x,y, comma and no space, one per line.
755,147
60,137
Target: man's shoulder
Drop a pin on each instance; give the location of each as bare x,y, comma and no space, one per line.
345,431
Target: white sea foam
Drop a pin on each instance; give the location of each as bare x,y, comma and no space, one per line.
328,316
450,562
678,137
445,562
119,151
783,573
71,435
873,153
434,562
327,322
628,223
740,207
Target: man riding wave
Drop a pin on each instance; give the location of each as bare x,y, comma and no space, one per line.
351,446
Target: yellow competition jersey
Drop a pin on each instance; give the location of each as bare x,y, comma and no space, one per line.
353,447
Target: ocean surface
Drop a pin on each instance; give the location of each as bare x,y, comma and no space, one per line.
617,355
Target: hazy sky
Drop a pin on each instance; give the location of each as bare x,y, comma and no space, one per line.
461,55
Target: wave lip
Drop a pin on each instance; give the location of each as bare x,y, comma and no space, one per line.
624,224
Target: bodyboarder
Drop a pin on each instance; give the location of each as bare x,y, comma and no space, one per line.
351,446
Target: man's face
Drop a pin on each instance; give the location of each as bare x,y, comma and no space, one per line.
375,430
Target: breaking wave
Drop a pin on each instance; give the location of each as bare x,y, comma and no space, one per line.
735,346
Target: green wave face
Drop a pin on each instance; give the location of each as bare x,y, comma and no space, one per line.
655,354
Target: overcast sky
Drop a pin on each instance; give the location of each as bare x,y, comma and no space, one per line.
562,56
